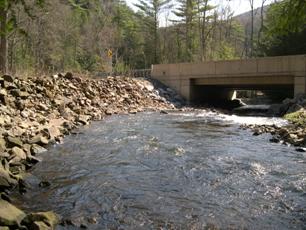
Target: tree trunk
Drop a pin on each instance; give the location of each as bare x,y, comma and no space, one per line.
252,28
3,40
203,32
261,22
155,38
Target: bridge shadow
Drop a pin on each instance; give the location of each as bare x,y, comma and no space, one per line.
230,97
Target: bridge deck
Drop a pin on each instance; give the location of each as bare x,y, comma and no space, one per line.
269,72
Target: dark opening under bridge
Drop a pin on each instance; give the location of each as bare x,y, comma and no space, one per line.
219,79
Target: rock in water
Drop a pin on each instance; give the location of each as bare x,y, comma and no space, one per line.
274,140
10,215
39,139
83,119
48,218
6,181
37,149
302,150
44,184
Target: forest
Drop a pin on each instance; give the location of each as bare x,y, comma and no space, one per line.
103,35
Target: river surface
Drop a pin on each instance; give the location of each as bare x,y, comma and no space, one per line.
174,171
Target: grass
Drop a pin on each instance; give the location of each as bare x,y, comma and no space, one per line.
298,117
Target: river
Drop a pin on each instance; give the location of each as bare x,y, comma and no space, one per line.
172,171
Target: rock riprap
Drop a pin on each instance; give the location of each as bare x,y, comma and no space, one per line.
293,110
36,112
291,134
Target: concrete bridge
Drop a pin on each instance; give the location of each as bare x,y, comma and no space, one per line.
220,79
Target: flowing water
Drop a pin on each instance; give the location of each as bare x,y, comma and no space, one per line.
175,171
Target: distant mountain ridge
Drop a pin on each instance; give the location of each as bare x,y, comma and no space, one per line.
245,18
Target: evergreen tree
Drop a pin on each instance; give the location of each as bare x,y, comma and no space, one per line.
187,12
152,10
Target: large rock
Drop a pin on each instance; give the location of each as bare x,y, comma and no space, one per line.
2,144
8,78
83,119
39,139
10,215
54,132
6,181
19,153
48,218
40,225
3,92
15,92
294,108
14,141
69,75
37,149
9,85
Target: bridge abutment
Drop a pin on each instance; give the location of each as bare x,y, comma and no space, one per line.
299,85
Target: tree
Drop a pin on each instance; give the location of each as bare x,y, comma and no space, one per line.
187,12
152,9
129,42
261,22
285,30
8,23
252,28
204,21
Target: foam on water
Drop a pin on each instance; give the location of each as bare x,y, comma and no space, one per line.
248,120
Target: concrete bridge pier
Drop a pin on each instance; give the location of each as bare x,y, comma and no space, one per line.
299,85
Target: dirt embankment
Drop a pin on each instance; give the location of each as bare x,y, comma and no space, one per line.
37,112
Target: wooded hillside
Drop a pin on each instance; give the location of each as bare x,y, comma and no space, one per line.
105,36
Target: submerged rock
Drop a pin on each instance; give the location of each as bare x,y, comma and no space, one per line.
44,184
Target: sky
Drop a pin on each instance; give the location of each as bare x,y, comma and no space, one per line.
238,6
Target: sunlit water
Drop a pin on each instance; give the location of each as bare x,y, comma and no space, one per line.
175,171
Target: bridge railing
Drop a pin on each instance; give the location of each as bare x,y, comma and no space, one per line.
136,73
144,73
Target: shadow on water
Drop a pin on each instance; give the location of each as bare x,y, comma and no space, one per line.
176,171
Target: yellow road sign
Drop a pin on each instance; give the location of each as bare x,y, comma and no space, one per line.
110,53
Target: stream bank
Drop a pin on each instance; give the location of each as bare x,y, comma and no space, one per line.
294,133
38,112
